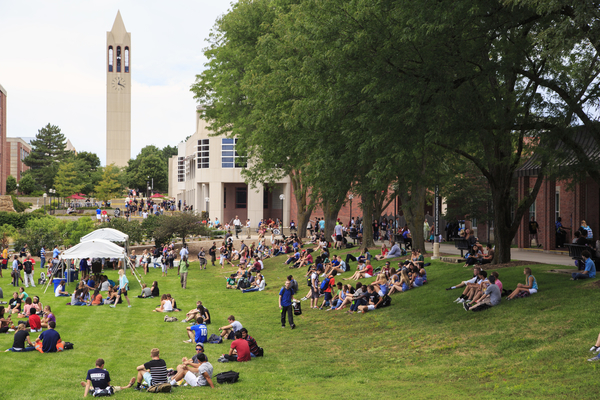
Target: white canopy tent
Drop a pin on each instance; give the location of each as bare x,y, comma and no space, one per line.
110,234
96,248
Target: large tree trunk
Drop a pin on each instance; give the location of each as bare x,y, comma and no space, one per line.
330,213
303,201
413,207
367,211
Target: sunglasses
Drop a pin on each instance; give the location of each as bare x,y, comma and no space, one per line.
199,349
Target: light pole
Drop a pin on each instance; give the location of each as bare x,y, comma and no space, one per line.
350,196
206,199
282,197
17,189
148,188
44,196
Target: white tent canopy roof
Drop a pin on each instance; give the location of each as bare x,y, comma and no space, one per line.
94,248
109,234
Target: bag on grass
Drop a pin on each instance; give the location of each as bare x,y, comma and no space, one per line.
170,319
160,388
215,339
69,346
297,308
228,377
387,301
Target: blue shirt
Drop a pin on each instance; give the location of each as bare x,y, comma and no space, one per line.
322,224
49,340
286,296
43,253
201,332
590,267
55,253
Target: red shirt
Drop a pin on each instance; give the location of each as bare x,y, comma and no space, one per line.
331,284
243,350
369,270
35,322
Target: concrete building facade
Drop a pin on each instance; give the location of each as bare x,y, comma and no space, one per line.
118,94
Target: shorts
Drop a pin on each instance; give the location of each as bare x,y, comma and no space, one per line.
368,276
315,294
191,378
110,390
148,378
123,292
371,307
338,238
98,217
328,296
532,291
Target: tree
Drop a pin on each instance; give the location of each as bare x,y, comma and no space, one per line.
109,187
47,150
169,151
151,163
180,225
88,166
26,184
67,180
11,184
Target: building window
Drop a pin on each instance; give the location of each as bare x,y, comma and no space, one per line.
118,58
203,149
110,59
224,197
557,204
532,211
241,197
126,59
229,157
180,169
265,198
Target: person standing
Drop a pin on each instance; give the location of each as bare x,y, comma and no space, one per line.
212,252
533,231
16,273
238,226
28,269
98,380
183,271
248,229
286,296
425,230
42,257
123,285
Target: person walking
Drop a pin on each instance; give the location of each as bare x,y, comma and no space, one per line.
123,285
183,271
286,296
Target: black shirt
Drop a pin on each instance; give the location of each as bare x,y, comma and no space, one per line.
373,298
19,339
158,370
100,378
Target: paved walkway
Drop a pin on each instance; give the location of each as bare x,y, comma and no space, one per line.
518,254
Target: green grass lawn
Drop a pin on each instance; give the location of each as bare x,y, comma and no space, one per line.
423,346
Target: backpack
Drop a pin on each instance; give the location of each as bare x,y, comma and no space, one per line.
215,339
207,313
27,266
20,265
69,346
228,377
325,285
160,388
387,301
297,308
170,319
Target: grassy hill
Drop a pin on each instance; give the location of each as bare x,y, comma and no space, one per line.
423,346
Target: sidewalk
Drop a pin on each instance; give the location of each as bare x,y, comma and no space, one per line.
517,254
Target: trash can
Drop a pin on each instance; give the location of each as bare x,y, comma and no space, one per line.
73,275
56,283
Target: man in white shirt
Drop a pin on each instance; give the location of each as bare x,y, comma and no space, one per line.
183,252
238,226
248,229
339,235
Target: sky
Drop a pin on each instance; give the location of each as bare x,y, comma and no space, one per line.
52,65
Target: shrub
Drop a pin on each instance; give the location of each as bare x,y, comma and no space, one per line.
20,206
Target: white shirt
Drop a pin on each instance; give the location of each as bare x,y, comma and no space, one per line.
338,229
237,222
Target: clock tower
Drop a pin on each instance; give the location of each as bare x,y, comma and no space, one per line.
118,94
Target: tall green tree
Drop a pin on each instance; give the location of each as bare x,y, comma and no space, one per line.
11,184
26,184
150,162
109,187
47,151
68,181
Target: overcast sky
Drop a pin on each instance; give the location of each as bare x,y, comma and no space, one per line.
52,65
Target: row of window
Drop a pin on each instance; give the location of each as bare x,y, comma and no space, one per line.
241,197
181,169
110,59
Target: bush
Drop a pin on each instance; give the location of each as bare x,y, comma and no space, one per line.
131,228
17,220
20,206
47,231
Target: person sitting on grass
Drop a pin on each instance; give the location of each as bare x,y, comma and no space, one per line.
21,336
34,321
146,292
348,293
337,265
255,351
194,313
228,331
48,340
465,283
165,305
98,381
590,267
498,282
365,273
60,290
402,285
490,298
258,285
395,250
595,349
359,298
474,256
154,372
471,292
338,297
14,304
196,372
487,258
47,317
240,350
530,287
231,282
384,252
197,333
123,286
373,300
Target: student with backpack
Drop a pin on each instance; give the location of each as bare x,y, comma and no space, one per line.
286,296
326,287
28,270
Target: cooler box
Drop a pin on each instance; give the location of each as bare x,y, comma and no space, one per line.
56,283
73,275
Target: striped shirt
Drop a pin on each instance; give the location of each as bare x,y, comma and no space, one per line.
43,253
158,370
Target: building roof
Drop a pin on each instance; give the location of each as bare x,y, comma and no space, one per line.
566,156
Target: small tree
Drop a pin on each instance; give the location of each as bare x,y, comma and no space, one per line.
26,184
109,187
11,184
67,180
180,225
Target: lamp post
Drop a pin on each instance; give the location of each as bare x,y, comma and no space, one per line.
206,199
282,197
17,188
350,196
44,196
148,188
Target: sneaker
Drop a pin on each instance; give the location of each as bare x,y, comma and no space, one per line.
595,349
174,384
458,300
112,306
129,306
461,301
466,306
449,288
283,326
184,321
187,341
138,388
293,326
594,358
573,280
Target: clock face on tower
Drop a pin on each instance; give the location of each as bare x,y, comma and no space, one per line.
118,83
